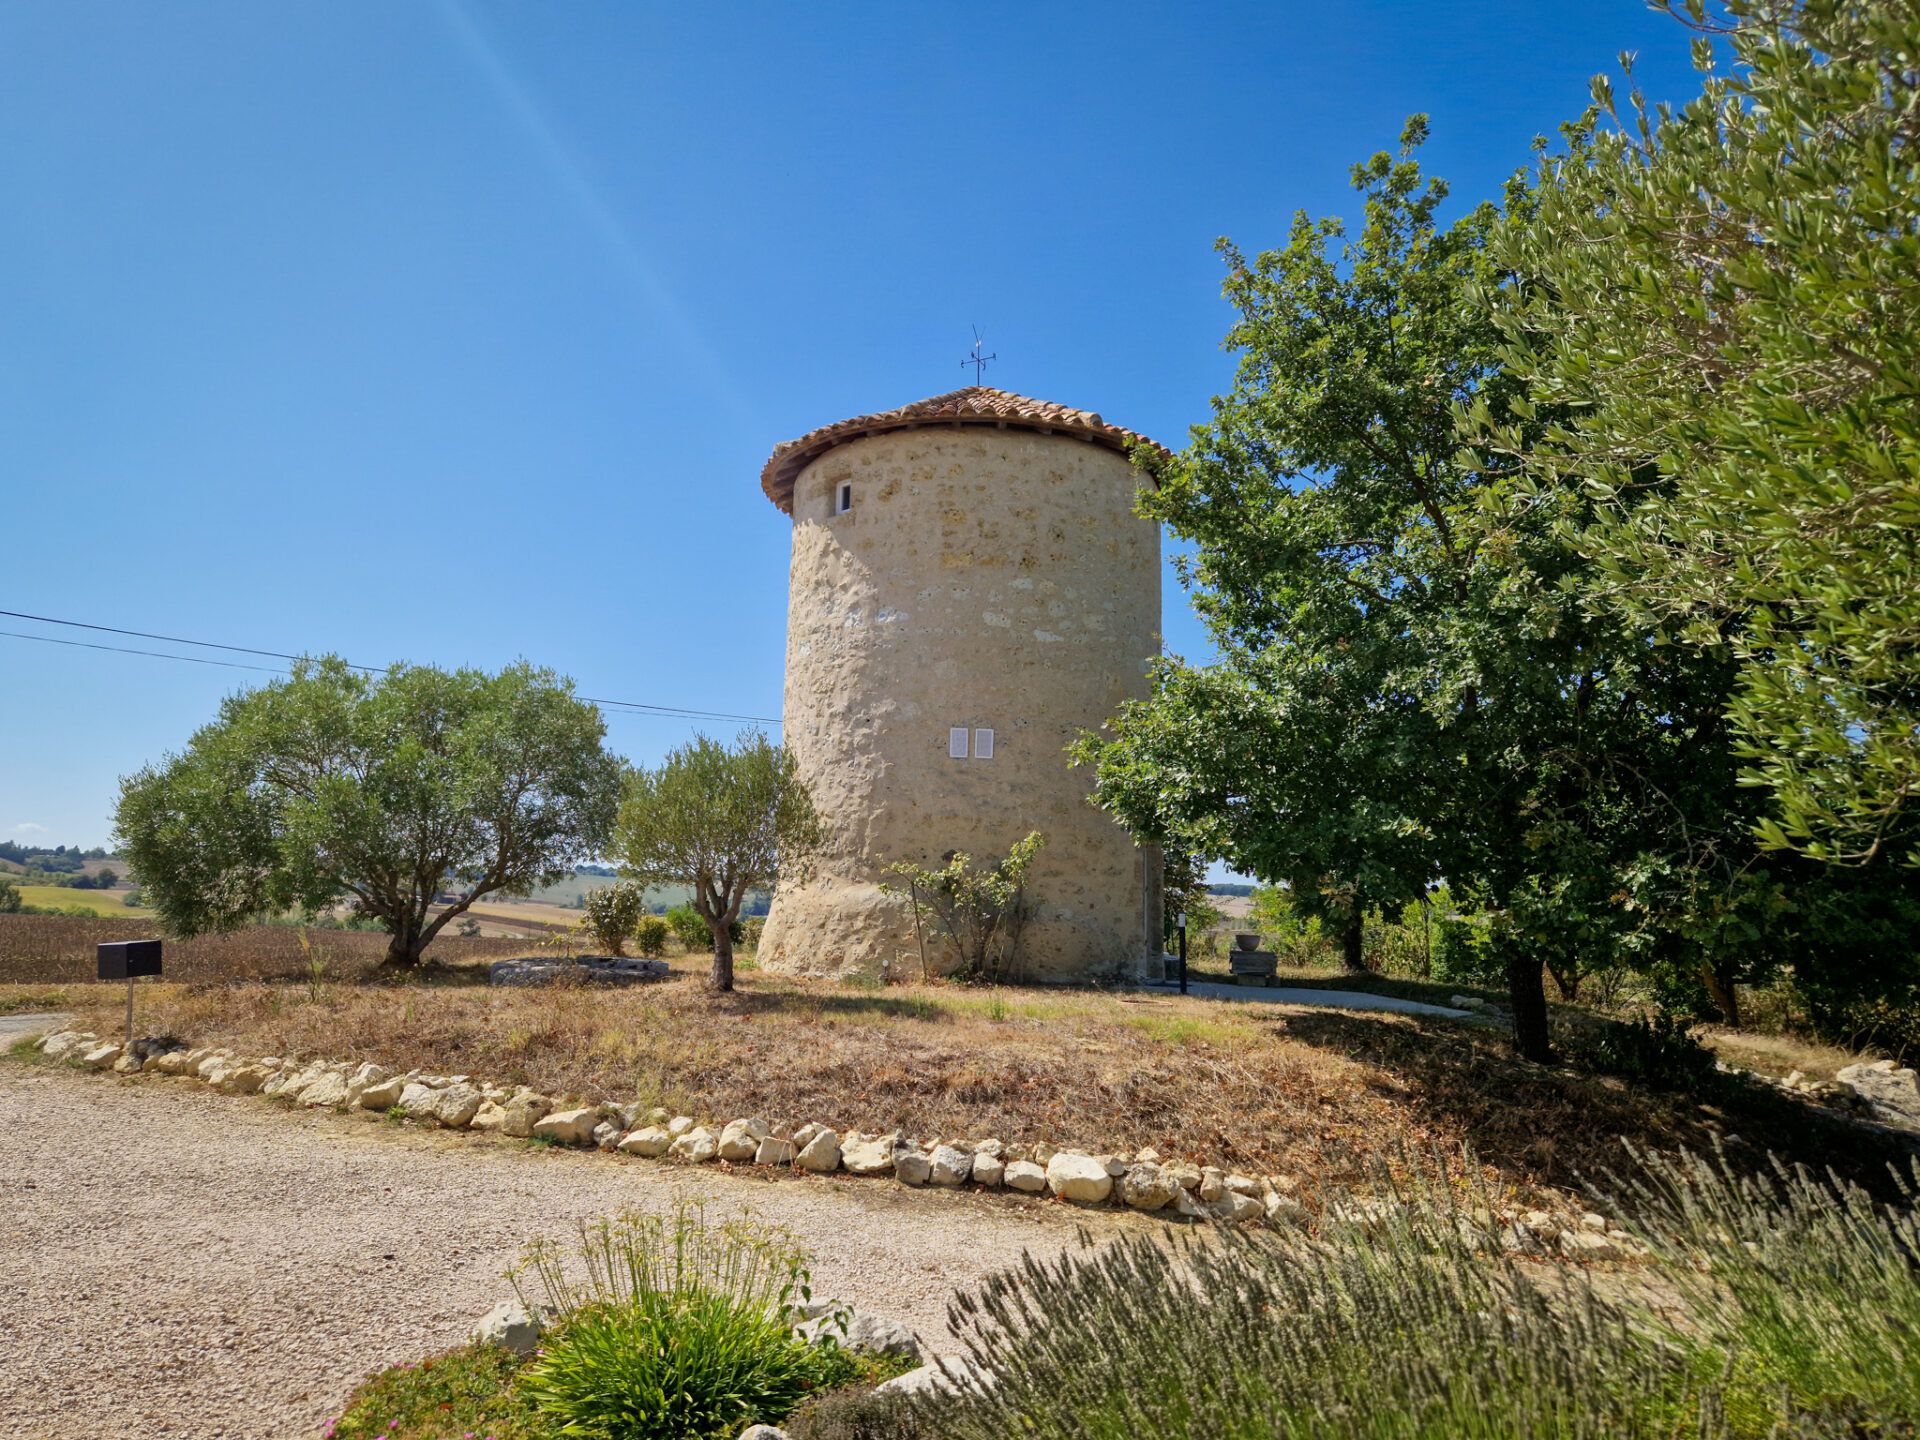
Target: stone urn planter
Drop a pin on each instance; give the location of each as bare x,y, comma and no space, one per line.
1249,964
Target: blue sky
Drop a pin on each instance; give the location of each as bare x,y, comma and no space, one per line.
454,331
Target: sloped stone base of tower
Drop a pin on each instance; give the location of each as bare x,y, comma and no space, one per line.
834,930
837,930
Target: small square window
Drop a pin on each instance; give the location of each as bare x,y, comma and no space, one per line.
983,744
843,499
957,742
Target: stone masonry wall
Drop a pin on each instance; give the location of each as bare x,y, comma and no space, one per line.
983,578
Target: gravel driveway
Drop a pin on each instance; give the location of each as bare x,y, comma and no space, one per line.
179,1263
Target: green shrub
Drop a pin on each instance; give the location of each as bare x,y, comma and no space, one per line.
1294,937
751,930
613,912
650,935
688,928
693,932
1659,1052
677,1329
1463,954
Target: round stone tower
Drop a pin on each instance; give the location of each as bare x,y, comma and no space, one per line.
971,589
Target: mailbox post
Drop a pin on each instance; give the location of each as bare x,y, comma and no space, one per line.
126,960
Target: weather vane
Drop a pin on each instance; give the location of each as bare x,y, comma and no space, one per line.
977,360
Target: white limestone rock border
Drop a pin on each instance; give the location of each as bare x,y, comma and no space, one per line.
1145,1184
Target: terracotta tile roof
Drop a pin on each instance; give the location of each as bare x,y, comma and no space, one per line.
975,405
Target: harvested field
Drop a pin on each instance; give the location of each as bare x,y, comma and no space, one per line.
65,897
1317,1095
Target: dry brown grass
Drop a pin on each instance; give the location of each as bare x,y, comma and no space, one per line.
58,950
1779,1054
1319,1095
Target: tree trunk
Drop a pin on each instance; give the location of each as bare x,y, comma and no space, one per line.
1720,987
406,939
722,978
1527,993
1567,978
1352,949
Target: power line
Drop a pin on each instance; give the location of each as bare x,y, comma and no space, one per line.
676,712
127,650
149,635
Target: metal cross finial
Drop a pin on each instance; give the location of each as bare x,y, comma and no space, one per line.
977,360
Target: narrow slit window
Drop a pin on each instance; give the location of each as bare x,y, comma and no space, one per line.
843,499
957,742
983,744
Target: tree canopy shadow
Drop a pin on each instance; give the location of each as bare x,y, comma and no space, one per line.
1566,1125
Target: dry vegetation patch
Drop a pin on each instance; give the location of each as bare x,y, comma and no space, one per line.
58,950
1318,1095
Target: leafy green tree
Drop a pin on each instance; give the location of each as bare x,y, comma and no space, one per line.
334,785
724,820
1411,683
1720,304
1323,499
10,901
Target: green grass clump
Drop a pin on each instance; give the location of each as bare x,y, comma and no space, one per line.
672,1366
1801,1319
469,1391
677,1330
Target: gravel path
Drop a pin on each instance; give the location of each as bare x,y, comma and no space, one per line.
1319,999
178,1263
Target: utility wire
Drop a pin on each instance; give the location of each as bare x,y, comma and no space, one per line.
126,650
677,712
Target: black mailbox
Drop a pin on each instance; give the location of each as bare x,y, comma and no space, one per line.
124,959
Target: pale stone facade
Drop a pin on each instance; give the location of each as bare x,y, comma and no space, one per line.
964,577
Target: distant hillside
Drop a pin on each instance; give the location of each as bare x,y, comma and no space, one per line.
570,893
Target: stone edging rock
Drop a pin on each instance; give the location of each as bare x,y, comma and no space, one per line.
1170,1189
460,1102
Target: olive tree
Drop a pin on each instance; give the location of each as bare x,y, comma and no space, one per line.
335,786
1720,300
722,819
